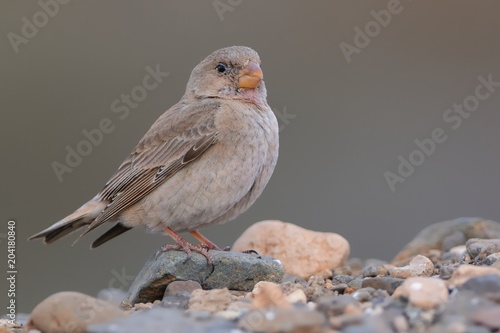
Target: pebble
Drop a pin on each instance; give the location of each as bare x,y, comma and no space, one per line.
424,293
269,295
161,319
465,272
462,296
295,320
285,241
178,293
70,311
211,301
432,236
234,270
481,248
388,284
482,285
418,266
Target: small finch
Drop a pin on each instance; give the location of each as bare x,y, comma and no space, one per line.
204,161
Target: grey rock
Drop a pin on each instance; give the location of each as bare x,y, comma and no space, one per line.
161,320
491,259
234,270
370,324
464,303
178,293
447,268
344,270
370,271
386,283
342,279
297,319
482,285
356,283
432,237
336,305
482,247
452,240
340,287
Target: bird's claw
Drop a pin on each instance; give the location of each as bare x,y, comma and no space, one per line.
188,248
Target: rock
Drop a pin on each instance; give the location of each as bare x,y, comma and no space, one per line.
333,306
363,294
388,284
424,293
69,311
209,300
112,295
236,271
268,295
166,320
465,272
295,320
457,238
178,294
342,279
491,259
373,271
445,269
482,285
369,324
344,270
487,317
433,236
418,266
316,287
482,247
298,296
303,252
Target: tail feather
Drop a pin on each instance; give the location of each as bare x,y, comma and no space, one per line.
116,230
81,217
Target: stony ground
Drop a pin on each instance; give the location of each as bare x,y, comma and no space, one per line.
446,280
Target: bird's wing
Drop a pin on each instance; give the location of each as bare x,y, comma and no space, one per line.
177,138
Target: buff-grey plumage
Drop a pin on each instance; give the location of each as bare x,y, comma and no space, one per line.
204,161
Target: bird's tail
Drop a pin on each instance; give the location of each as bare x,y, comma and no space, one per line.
81,217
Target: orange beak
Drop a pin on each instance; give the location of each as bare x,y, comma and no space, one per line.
250,76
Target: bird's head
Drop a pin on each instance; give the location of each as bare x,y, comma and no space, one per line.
229,73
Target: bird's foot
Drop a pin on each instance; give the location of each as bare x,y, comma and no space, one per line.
188,248
184,245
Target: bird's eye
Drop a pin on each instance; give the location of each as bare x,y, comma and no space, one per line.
221,67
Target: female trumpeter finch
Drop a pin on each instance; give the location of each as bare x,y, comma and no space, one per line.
204,161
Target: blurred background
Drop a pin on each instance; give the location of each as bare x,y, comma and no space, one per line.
353,85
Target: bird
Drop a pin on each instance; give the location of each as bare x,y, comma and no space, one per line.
203,162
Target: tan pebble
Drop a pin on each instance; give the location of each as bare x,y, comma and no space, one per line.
459,250
465,272
329,285
214,300
400,324
285,241
423,292
353,309
418,266
70,312
487,317
268,295
297,296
